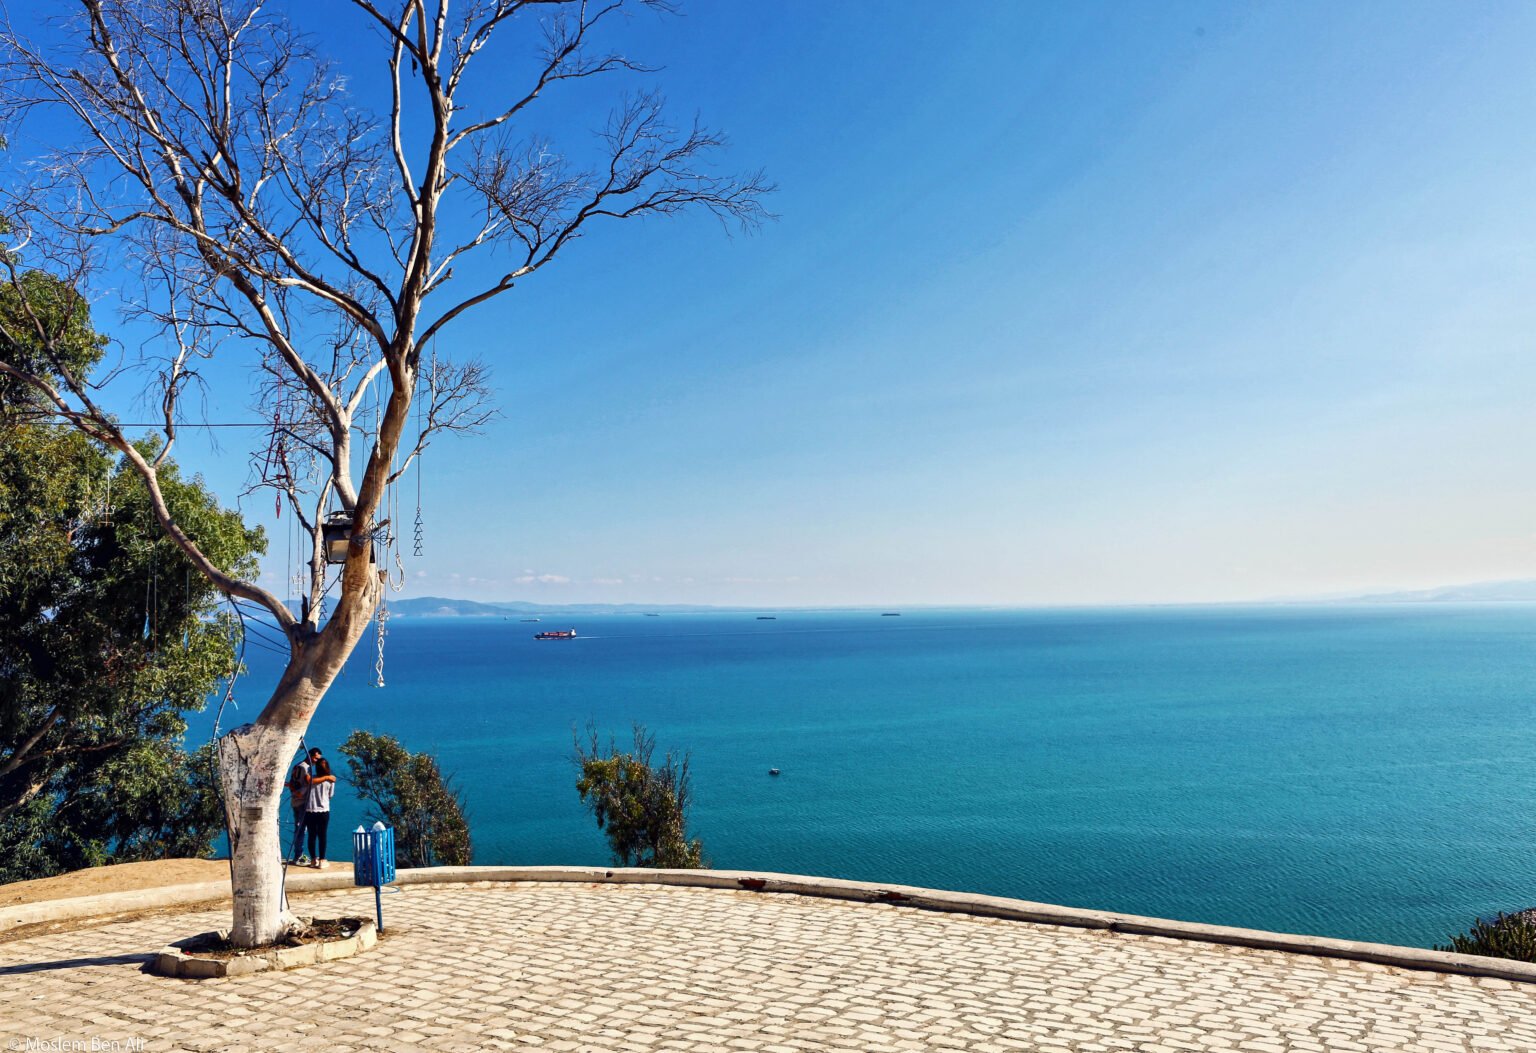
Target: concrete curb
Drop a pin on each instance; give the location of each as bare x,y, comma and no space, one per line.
175,960
834,888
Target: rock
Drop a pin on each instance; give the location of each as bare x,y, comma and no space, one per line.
1526,917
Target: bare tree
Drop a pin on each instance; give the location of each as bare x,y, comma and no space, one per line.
206,148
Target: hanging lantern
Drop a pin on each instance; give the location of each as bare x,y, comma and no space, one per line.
336,533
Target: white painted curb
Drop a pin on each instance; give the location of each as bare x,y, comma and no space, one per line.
214,892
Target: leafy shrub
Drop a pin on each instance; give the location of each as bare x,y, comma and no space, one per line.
1507,936
412,795
641,806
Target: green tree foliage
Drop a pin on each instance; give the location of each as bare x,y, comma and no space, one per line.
39,300
108,637
153,801
412,795
1507,936
641,806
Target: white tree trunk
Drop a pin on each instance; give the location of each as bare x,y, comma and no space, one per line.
253,766
254,759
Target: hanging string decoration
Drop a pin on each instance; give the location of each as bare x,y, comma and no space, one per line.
274,467
421,449
395,584
416,548
106,507
298,588
381,619
152,598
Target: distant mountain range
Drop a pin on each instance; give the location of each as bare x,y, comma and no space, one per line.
441,607
1479,592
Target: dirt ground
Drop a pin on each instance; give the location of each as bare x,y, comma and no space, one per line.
121,878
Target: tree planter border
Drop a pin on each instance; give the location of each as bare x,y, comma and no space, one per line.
173,959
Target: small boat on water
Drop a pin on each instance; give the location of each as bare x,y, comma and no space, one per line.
767,618
527,619
773,771
651,614
891,614
557,634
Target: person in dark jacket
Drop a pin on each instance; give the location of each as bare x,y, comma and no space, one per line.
298,802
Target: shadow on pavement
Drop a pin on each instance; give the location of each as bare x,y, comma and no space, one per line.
75,963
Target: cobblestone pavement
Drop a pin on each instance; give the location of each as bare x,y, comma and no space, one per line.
647,967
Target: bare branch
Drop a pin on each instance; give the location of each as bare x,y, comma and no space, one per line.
208,169
457,399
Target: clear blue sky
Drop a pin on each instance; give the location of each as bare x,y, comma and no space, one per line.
1067,303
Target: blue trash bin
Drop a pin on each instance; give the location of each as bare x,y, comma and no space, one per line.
373,856
373,861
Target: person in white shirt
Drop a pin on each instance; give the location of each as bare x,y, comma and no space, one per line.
317,808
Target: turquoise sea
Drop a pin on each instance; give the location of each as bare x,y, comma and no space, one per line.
1359,772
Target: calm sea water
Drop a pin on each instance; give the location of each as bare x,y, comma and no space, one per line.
1363,773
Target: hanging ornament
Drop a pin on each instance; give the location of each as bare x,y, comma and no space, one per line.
421,452
417,547
380,619
106,507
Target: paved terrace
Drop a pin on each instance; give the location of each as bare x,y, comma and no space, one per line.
573,966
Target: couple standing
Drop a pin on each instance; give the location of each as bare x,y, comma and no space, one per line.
310,786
